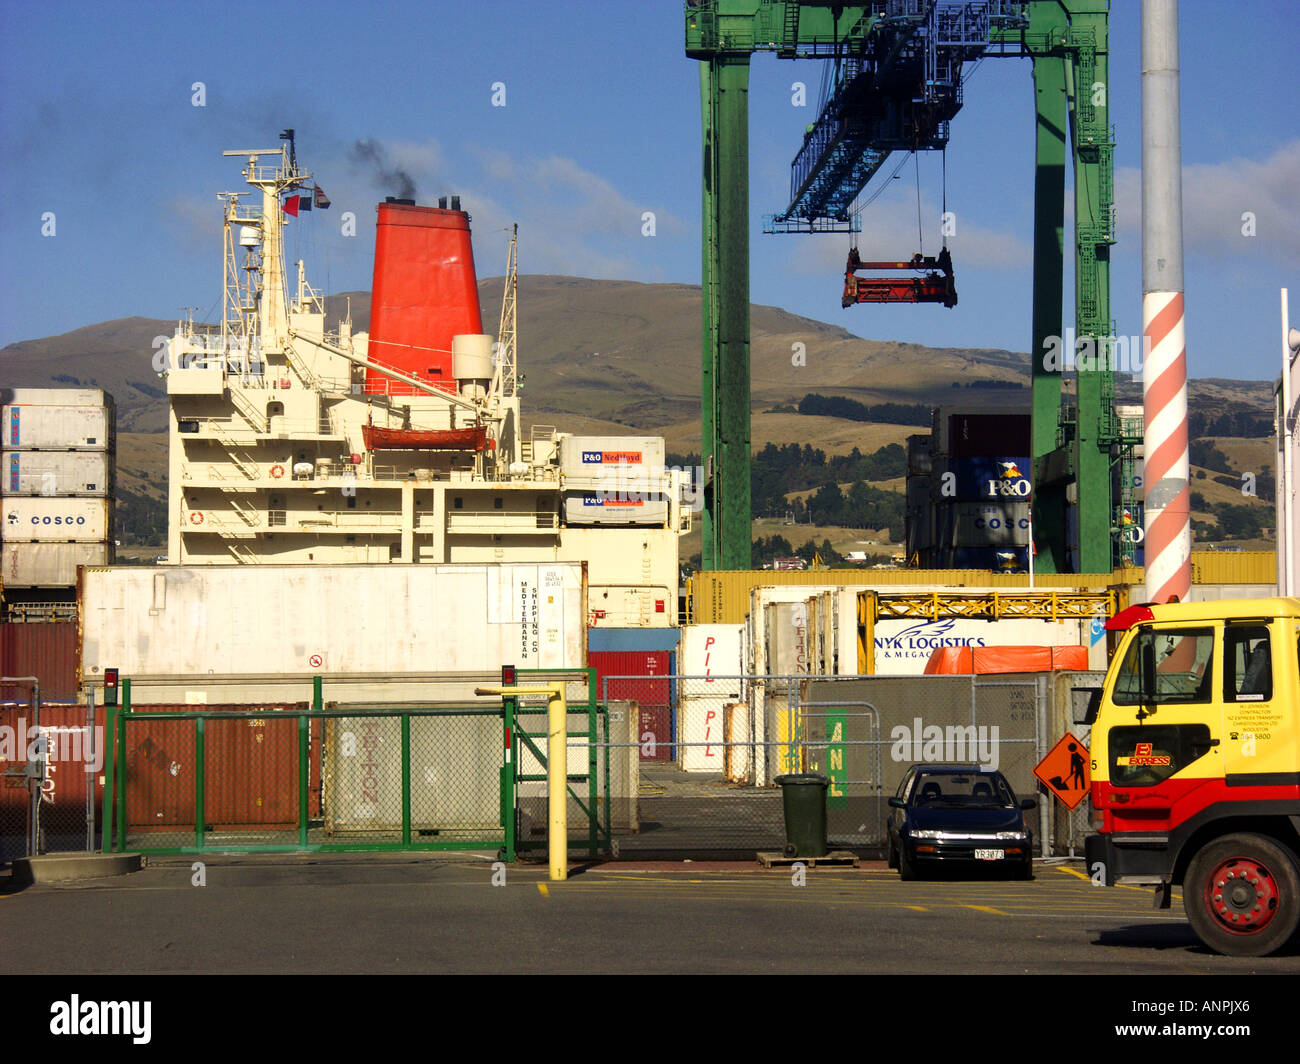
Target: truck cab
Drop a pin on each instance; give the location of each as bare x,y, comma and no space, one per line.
1196,766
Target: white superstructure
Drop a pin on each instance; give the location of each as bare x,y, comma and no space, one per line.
270,414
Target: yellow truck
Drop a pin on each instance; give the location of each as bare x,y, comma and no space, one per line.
1196,766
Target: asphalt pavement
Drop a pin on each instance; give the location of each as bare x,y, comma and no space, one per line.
418,914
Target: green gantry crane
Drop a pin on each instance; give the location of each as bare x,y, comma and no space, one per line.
905,59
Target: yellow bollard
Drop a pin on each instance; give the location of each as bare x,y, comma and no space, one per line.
557,767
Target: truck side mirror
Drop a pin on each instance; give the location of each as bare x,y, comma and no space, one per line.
1093,707
1148,670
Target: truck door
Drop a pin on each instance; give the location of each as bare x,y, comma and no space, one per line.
1251,700
1157,759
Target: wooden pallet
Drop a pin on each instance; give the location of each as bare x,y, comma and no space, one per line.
835,859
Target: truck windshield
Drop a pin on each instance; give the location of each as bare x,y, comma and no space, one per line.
1183,669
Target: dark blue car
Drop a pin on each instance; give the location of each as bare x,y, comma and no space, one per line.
958,815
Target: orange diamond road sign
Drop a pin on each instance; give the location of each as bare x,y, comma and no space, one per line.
1064,771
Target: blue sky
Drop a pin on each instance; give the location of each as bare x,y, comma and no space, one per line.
601,123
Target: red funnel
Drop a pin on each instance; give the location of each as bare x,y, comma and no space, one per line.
425,292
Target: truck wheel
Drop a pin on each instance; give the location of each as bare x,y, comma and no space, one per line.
1242,895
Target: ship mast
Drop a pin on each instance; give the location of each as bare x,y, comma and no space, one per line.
266,284
506,379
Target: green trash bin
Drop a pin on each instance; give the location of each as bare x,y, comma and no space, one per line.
804,797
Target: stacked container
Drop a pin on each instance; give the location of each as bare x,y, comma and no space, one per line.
56,486
982,473
613,480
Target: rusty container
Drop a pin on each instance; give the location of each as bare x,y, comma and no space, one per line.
251,765
72,765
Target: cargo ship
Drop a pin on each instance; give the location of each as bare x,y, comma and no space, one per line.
296,439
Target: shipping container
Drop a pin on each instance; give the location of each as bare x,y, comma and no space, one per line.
598,508
55,473
723,596
1008,559
594,457
35,518
297,621
28,565
903,646
251,770
74,747
57,428
918,455
983,434
643,677
999,477
47,651
987,524
55,397
711,670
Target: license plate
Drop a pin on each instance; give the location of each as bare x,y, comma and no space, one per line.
990,855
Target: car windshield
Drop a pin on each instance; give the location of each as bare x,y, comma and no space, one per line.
974,790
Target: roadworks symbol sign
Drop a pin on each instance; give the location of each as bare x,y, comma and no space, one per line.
1064,771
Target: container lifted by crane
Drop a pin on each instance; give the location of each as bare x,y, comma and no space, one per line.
898,84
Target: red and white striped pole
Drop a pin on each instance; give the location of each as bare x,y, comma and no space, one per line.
1168,542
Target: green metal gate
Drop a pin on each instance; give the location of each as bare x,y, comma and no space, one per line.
306,778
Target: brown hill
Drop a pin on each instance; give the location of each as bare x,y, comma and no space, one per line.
613,356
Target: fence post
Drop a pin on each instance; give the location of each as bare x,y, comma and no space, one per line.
122,783
110,758
200,774
1040,751
406,779
304,755
508,770
90,753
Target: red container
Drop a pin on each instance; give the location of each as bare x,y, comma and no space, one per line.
46,651
645,680
70,752
425,292
252,770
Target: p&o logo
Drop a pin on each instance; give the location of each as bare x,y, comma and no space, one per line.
1009,483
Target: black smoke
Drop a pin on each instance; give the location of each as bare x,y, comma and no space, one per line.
393,180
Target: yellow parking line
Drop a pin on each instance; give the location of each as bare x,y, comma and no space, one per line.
1074,872
985,909
542,889
917,908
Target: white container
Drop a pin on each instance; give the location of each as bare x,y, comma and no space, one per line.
590,457
38,518
596,508
58,428
710,668
48,564
55,397
301,620
55,472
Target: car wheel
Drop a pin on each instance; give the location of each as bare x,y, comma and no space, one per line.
906,866
1242,895
893,855
1024,871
